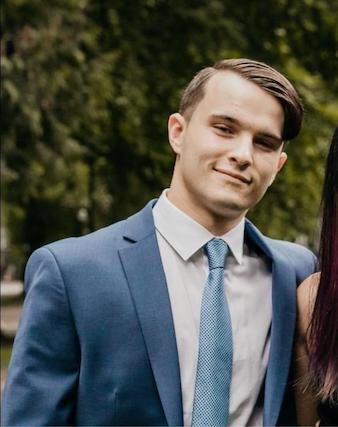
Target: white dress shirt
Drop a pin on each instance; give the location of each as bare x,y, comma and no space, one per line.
248,289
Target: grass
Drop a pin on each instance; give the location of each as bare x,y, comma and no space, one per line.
6,350
11,301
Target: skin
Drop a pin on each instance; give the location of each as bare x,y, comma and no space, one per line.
306,402
228,153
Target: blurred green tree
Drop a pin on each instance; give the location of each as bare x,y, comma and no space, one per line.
88,86
55,92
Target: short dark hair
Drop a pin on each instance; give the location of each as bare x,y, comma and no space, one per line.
264,76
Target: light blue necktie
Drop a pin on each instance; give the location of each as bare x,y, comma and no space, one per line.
214,367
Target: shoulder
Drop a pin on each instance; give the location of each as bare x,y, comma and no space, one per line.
96,253
301,259
306,296
76,266
291,250
107,235
100,239
79,252
307,290
110,238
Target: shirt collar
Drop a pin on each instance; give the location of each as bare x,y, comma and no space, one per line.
186,235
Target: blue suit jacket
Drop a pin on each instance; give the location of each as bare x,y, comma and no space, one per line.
96,342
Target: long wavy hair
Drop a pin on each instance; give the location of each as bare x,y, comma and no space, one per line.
323,329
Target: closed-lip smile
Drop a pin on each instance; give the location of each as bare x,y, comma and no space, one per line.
234,175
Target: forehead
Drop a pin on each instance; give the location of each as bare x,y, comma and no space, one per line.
228,92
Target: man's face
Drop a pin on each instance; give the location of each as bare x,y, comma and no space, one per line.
230,151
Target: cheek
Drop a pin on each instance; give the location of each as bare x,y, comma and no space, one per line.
198,156
267,169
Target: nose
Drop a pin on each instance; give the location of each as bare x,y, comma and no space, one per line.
241,152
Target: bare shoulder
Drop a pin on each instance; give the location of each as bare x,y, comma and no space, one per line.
306,296
308,288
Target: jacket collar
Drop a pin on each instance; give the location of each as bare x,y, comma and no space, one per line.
148,287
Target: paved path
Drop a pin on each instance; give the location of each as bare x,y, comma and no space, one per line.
3,379
10,316
11,289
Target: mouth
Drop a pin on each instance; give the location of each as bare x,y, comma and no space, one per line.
234,175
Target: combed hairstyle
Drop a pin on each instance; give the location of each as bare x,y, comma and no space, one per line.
264,76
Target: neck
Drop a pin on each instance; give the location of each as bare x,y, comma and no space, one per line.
216,224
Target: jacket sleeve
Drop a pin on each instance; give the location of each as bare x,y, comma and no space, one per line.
44,368
307,267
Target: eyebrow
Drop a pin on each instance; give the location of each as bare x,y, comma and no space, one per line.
234,121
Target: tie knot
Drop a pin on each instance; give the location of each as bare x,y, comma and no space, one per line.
216,250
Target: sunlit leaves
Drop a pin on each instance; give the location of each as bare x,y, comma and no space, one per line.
87,87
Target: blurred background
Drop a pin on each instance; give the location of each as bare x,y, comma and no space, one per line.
87,87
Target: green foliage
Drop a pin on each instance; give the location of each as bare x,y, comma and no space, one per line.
87,87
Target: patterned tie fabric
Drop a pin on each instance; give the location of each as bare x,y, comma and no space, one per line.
214,367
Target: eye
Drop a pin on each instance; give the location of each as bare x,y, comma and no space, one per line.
266,144
224,129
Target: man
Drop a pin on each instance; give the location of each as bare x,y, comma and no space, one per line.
185,312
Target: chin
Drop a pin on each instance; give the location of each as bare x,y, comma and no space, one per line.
227,208
235,200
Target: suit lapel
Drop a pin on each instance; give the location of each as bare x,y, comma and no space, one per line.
282,334
282,327
143,267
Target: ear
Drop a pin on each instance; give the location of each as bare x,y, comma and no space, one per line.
176,128
281,162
